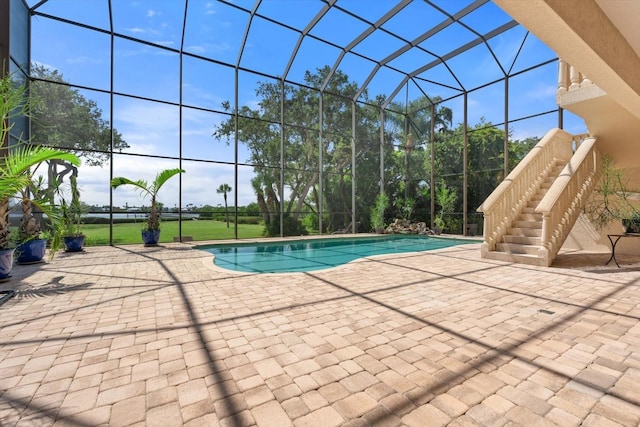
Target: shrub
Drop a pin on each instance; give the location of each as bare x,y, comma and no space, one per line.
255,220
292,227
205,215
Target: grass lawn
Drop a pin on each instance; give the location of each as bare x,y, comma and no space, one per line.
127,233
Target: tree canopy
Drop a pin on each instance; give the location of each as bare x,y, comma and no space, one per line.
261,131
64,118
319,149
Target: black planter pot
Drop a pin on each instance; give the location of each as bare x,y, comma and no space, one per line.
150,237
31,251
73,243
6,263
631,225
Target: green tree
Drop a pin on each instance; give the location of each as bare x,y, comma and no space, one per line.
406,150
205,212
520,148
446,200
260,129
224,189
63,118
253,209
485,155
410,129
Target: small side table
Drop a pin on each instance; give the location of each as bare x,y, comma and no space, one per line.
614,238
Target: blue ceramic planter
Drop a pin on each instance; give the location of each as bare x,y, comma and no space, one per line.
150,237
73,243
31,251
6,263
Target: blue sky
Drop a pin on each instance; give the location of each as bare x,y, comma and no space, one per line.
215,30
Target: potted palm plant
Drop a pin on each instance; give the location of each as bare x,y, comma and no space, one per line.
438,224
32,241
16,176
446,198
17,166
151,231
614,199
377,212
71,213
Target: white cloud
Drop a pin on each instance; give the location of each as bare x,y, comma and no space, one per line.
209,9
136,30
151,13
164,42
196,49
199,183
148,127
152,129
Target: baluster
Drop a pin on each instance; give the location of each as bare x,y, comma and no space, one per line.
563,75
574,76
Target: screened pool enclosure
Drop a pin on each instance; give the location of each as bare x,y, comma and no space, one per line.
290,115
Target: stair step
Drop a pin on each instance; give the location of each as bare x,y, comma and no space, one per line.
529,232
527,224
516,258
522,240
536,217
513,248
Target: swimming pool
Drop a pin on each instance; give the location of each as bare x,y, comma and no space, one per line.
317,254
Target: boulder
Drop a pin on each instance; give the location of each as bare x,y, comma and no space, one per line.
404,226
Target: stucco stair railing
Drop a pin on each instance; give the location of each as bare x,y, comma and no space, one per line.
565,199
515,229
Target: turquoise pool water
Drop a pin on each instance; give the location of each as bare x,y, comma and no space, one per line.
317,254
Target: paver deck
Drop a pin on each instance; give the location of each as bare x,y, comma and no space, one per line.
129,335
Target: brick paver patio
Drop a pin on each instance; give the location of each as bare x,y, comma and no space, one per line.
129,335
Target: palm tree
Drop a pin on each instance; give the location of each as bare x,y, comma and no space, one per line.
18,163
411,125
150,190
16,175
224,189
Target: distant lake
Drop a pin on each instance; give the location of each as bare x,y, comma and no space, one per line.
138,215
14,217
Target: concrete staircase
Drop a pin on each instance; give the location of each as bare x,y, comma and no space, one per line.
523,239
